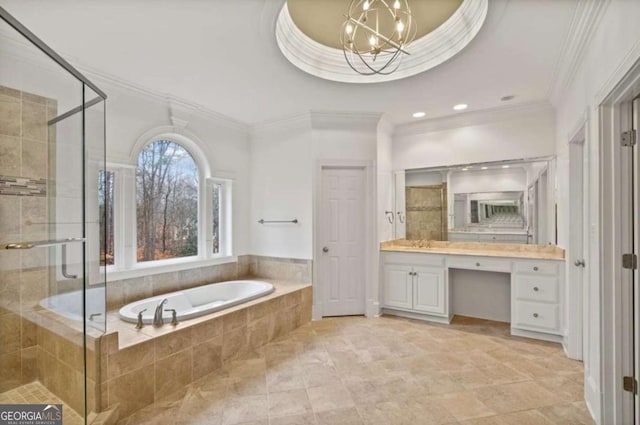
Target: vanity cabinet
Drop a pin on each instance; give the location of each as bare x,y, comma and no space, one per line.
537,297
417,285
414,288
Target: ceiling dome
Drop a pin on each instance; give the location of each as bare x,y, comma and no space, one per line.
308,34
322,20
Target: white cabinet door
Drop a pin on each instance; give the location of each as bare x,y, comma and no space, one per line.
397,286
429,290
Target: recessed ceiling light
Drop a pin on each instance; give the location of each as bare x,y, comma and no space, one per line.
484,168
418,114
505,166
461,107
507,98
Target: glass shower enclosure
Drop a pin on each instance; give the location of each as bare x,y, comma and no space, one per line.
52,284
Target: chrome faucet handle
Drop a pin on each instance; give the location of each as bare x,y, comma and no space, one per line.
139,325
174,316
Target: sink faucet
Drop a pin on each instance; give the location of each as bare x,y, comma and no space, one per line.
157,317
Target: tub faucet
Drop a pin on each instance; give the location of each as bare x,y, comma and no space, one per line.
157,317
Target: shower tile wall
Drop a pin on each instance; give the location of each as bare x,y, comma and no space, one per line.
24,275
427,212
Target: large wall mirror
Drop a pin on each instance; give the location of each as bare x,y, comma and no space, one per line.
507,201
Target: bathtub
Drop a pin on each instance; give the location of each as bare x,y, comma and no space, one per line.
69,304
197,301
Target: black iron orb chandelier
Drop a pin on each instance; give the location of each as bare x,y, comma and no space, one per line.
375,35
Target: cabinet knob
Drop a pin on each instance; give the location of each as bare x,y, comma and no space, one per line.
477,264
535,268
535,314
536,289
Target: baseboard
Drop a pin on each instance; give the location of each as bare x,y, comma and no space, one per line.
537,335
417,316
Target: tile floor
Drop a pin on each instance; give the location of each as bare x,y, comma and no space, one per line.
386,371
36,393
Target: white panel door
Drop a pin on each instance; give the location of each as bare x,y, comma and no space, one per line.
397,287
341,269
429,290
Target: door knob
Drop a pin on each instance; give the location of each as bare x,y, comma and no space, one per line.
579,263
325,249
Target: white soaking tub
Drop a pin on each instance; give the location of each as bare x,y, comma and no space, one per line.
198,301
69,304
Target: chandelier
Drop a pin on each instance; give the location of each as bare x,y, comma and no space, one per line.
375,35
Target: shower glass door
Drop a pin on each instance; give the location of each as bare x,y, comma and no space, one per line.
52,287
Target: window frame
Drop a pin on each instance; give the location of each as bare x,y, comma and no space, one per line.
126,264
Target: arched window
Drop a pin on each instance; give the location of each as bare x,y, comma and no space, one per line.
167,190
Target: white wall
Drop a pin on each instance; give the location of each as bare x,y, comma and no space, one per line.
610,52
284,157
424,178
515,133
281,188
386,193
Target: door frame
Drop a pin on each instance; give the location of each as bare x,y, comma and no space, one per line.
371,290
577,280
616,407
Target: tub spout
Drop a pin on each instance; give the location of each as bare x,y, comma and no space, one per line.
157,317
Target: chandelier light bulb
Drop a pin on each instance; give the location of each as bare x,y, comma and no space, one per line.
365,5
400,26
396,5
373,41
349,29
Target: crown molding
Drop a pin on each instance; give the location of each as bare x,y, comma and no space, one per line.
583,25
290,124
175,103
337,120
318,120
426,52
472,118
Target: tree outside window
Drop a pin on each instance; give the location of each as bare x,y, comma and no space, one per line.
166,202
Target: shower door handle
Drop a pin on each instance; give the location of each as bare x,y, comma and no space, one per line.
64,265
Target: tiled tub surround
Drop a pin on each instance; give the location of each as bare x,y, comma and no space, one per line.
123,292
139,367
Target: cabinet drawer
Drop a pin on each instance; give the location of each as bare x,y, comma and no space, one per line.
536,288
535,267
413,258
538,316
476,263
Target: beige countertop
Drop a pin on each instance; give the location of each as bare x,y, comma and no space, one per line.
507,250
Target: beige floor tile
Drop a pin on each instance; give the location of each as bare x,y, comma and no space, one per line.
288,403
346,416
386,371
330,397
465,405
574,414
306,419
244,409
